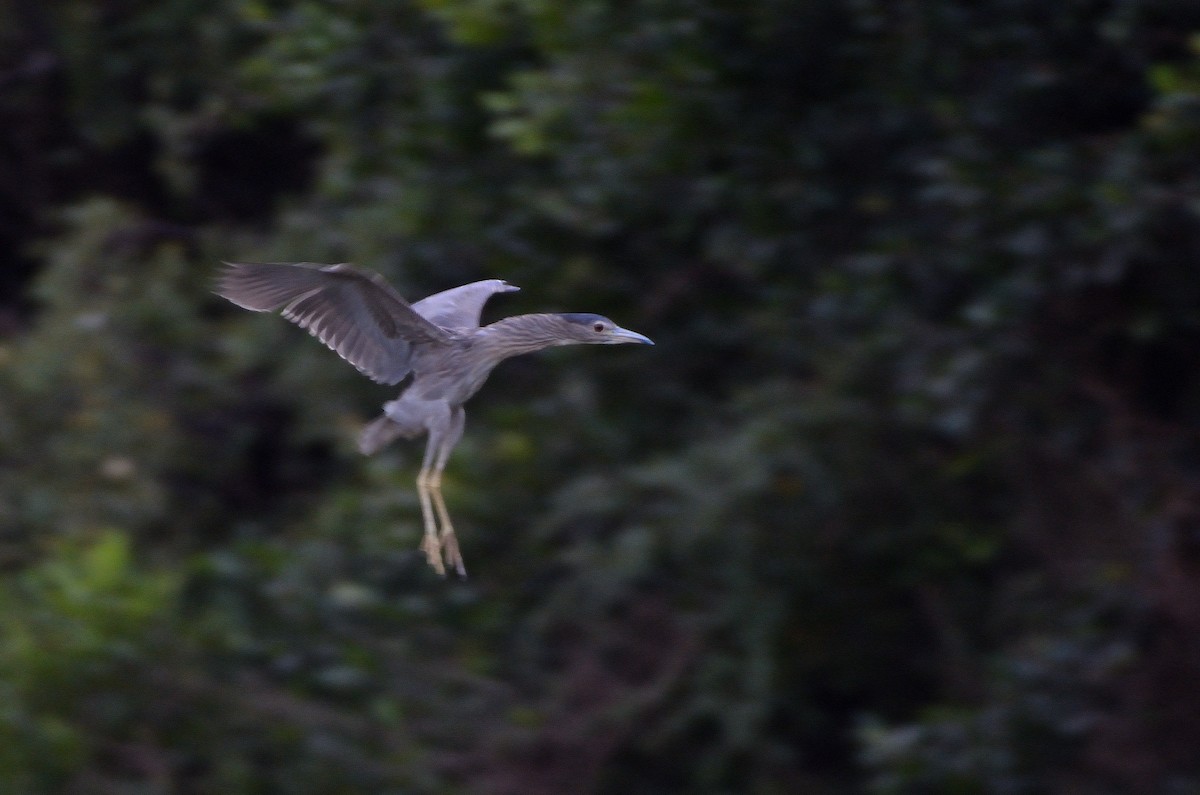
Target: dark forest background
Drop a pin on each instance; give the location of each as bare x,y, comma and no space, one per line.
905,500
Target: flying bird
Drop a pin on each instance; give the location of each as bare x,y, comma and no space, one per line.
435,343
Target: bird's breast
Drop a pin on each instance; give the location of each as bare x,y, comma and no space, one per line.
451,375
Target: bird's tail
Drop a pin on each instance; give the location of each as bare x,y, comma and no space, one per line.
381,432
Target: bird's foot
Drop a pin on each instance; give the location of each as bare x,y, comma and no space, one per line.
452,555
433,553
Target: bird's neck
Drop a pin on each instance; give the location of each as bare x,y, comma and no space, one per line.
520,334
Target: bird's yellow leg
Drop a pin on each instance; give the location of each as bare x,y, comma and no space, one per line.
449,542
429,542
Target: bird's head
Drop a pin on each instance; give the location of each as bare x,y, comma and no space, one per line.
589,329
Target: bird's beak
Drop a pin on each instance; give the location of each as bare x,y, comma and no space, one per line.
620,335
509,288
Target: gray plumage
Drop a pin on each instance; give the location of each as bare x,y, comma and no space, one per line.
437,340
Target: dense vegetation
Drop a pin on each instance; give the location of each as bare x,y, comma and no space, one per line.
904,500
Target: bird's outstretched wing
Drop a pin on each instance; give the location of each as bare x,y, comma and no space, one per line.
460,307
352,310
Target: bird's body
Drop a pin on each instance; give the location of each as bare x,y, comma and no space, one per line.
438,341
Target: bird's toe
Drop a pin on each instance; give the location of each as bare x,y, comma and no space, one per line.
433,554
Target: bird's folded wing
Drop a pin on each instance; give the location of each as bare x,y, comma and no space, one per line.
355,312
460,307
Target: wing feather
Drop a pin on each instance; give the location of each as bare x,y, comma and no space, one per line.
461,307
353,311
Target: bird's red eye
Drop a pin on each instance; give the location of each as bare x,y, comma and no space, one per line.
598,328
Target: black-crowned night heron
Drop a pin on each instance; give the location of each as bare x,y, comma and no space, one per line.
437,340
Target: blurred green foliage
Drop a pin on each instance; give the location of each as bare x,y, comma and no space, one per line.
903,501
74,629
